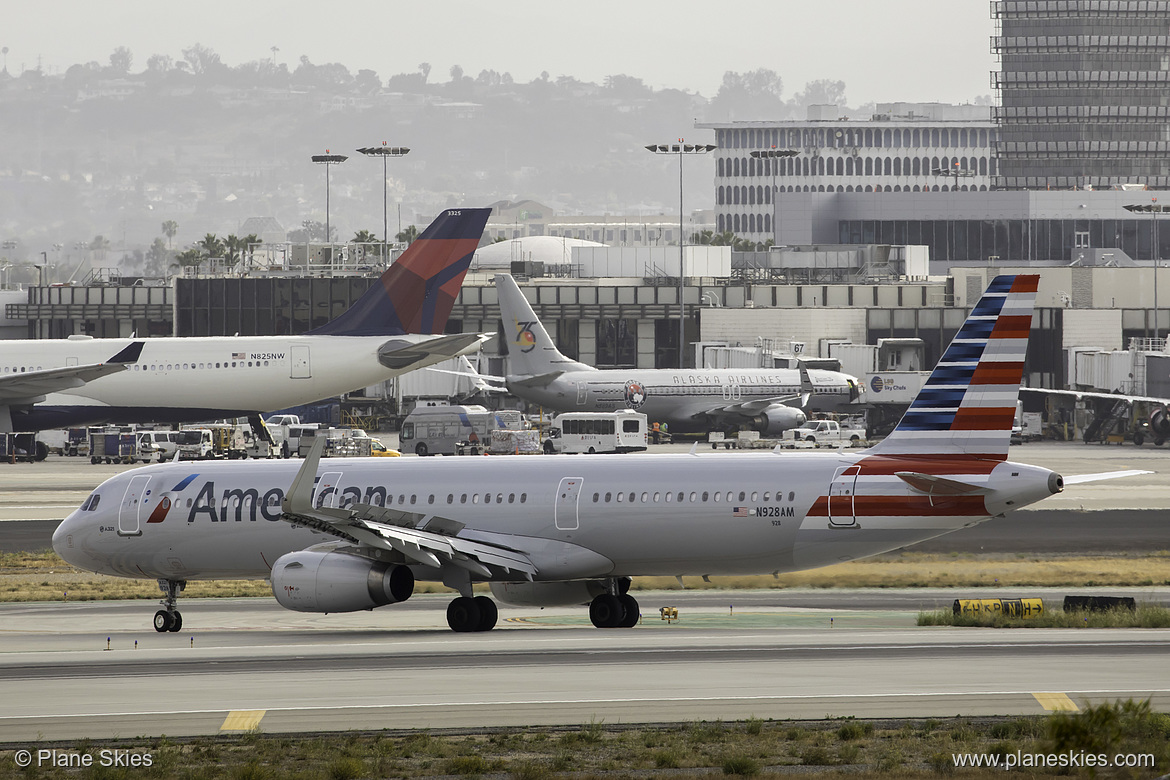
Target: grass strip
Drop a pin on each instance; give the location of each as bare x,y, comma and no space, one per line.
831,748
44,576
1145,616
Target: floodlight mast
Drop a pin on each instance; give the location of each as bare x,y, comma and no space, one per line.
772,155
328,159
384,151
1152,208
680,149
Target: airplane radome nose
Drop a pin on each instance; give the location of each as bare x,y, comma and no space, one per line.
63,540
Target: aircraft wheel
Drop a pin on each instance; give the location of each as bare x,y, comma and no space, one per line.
1159,442
176,622
632,613
488,614
606,611
1138,438
463,614
420,449
162,621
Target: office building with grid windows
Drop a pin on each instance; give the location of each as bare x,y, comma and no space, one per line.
1084,93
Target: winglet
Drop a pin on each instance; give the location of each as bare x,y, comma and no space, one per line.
806,386
129,354
299,500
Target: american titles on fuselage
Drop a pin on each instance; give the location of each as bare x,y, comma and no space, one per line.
240,504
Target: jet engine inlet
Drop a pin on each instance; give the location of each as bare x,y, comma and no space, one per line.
309,581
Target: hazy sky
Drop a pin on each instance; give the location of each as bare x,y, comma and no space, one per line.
913,50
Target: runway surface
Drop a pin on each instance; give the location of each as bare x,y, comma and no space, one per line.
248,663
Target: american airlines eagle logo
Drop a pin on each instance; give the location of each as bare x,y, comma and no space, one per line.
525,338
635,394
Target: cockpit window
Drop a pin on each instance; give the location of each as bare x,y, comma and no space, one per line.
91,503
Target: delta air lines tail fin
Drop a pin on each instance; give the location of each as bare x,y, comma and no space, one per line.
967,405
416,293
531,351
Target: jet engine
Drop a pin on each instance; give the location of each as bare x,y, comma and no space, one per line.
777,419
311,581
548,594
1160,424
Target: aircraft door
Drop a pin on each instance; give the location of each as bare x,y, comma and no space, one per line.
130,512
299,367
841,495
328,490
582,393
565,508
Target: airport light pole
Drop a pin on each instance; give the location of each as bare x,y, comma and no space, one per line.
681,149
773,156
1152,208
328,159
384,151
957,172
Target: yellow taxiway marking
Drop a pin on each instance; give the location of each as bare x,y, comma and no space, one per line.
242,720
1056,702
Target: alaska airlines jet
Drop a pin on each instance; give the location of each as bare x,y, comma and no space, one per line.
353,534
767,399
391,329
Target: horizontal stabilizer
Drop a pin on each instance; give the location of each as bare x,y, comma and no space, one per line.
540,380
1080,479
402,354
940,486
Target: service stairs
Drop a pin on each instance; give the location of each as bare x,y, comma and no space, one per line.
1105,424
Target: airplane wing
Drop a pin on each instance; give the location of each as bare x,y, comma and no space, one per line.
753,407
486,383
749,408
405,532
403,354
32,386
1079,394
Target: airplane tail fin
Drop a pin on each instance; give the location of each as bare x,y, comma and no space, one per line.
531,350
967,405
416,293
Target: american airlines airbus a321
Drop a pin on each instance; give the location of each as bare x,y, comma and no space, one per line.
352,534
55,383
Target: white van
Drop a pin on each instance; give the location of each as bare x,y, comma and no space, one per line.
437,430
164,444
621,431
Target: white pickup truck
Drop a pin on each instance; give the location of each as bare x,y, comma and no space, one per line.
827,433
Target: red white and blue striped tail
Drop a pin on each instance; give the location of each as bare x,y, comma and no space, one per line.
967,405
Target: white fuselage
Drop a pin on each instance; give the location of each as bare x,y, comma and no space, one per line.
195,378
639,514
685,398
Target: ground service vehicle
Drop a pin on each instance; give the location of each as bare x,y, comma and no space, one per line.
826,432
590,432
436,430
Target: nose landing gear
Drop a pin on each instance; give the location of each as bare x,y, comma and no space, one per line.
168,618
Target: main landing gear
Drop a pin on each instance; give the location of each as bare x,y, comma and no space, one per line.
472,614
616,609
169,618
